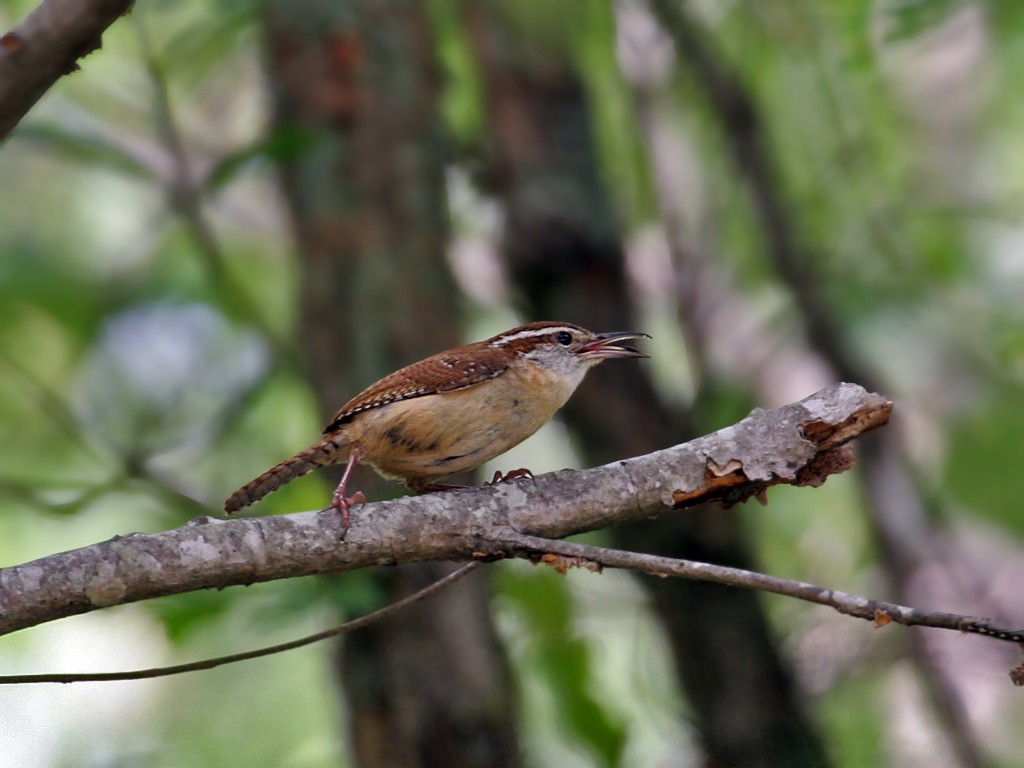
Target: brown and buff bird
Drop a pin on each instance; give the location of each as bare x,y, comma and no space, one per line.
451,412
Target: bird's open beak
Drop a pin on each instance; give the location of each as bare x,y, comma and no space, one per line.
607,345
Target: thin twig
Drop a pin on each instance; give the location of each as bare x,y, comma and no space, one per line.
195,666
52,405
878,611
733,106
184,194
96,443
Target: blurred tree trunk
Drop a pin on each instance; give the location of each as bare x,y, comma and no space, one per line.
564,252
896,505
355,105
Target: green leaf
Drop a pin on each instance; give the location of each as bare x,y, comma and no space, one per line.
86,148
913,17
280,145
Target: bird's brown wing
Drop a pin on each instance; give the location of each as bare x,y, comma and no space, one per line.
444,372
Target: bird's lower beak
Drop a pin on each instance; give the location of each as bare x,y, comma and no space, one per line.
607,345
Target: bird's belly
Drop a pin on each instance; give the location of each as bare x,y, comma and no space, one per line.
429,437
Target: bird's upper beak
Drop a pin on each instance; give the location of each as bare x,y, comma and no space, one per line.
607,345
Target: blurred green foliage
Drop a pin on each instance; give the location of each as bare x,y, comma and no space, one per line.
141,380
558,652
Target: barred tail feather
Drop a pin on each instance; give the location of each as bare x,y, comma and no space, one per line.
317,455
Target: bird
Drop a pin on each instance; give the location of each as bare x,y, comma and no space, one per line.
450,412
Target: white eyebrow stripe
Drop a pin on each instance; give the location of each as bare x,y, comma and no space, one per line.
501,341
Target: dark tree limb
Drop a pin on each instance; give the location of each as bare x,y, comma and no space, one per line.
357,85
47,45
747,139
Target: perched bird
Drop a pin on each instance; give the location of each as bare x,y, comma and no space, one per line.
451,412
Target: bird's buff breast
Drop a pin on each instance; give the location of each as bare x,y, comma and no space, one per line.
429,437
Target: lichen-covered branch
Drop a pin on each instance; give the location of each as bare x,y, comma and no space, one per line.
799,444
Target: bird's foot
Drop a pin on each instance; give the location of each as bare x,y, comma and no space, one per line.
343,504
514,474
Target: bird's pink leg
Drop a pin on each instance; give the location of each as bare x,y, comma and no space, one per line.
344,503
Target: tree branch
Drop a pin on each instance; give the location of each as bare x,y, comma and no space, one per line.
878,611
799,444
46,45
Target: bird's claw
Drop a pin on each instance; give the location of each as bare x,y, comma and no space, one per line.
343,504
514,474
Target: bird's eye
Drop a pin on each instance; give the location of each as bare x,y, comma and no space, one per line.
564,338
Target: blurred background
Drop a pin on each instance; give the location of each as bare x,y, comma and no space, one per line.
239,214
